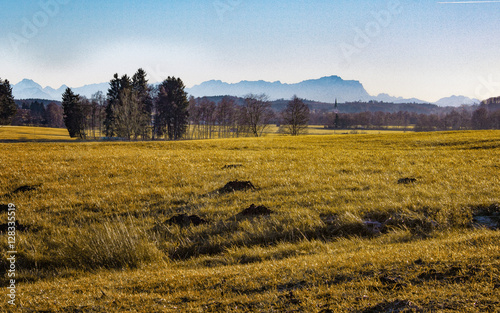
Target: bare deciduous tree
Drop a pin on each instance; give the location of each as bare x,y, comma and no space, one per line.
128,115
54,115
295,117
98,101
194,118
256,114
226,117
207,116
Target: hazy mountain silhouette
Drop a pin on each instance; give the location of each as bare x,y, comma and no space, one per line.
456,101
28,89
383,97
325,89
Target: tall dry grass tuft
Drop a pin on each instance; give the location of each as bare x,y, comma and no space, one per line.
113,244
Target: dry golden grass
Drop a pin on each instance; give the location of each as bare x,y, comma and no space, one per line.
24,133
98,241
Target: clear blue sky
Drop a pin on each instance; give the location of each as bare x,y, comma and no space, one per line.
422,49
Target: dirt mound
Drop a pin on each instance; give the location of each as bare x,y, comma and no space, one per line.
185,220
22,189
230,166
407,180
236,186
393,282
255,211
434,274
26,188
395,306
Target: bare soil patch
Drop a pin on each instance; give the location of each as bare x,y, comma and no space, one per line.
185,220
255,211
393,282
236,185
231,166
23,189
395,306
407,180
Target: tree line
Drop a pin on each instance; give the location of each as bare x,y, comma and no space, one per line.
38,113
483,117
132,109
135,110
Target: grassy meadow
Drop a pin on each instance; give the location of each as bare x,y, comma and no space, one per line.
346,234
25,133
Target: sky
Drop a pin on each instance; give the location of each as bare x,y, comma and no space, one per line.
424,49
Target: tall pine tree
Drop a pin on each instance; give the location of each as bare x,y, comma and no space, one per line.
172,109
113,101
74,117
8,107
143,92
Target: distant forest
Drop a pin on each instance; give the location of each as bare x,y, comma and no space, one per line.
134,109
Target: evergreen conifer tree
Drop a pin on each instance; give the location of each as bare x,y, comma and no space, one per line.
143,92
74,117
8,107
172,109
113,100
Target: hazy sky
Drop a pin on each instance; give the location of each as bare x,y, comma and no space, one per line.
424,49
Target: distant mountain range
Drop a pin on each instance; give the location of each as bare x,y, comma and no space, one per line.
28,89
456,101
325,89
